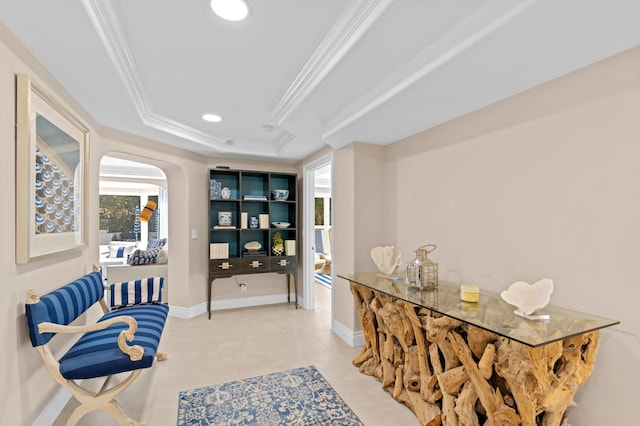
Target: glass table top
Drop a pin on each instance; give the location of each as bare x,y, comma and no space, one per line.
490,313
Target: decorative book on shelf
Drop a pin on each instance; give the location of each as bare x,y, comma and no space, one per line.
263,221
219,251
290,247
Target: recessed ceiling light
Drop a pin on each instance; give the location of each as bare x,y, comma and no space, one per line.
213,118
231,10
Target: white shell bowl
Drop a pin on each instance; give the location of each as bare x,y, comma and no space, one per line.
529,298
281,225
253,245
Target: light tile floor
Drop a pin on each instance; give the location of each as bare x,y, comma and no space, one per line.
241,343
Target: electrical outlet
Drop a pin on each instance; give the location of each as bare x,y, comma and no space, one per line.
243,286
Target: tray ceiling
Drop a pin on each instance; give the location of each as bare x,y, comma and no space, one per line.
299,75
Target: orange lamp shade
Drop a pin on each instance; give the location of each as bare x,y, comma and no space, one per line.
146,213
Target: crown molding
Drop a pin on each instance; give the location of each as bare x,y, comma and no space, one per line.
283,141
106,19
460,38
103,16
350,23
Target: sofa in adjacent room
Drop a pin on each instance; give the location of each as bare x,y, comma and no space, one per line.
139,264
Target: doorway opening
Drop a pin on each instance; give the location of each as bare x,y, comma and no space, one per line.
126,189
322,225
317,251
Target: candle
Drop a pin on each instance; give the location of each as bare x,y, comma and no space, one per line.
469,293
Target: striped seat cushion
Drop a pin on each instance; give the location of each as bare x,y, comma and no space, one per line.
147,290
96,354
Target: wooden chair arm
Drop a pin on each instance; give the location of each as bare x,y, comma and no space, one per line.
134,352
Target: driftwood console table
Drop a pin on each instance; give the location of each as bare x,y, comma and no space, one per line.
458,363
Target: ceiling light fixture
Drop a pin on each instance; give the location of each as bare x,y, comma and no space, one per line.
213,118
231,10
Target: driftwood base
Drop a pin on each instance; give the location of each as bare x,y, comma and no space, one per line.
451,373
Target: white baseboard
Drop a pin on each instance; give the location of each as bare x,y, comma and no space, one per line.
186,313
53,408
219,305
353,338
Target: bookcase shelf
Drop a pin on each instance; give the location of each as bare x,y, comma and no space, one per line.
243,195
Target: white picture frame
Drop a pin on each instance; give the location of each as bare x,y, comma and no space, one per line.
52,152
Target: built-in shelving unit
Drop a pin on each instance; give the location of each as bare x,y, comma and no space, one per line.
235,198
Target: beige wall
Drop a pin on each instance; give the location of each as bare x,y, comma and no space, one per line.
344,237
359,201
26,387
545,184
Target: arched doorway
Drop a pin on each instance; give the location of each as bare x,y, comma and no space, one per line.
125,188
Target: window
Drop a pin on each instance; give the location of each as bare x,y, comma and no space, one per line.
154,221
319,211
119,216
323,212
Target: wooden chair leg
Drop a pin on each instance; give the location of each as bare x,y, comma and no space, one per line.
103,401
112,408
161,356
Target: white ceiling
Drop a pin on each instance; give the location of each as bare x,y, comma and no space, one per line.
317,71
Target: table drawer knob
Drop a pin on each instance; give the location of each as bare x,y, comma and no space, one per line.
283,262
256,264
225,265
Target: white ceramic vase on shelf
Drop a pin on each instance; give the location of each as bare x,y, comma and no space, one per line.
224,218
225,193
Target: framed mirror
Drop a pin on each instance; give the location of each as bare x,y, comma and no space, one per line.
51,160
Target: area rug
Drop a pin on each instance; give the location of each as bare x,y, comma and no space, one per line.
324,279
294,397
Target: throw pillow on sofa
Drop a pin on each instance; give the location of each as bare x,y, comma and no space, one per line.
121,250
144,257
156,242
163,255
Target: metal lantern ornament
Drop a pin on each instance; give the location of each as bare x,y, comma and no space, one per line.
422,272
429,273
413,271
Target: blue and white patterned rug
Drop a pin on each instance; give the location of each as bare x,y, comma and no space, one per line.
294,397
324,279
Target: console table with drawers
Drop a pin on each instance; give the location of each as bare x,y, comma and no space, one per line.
247,209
